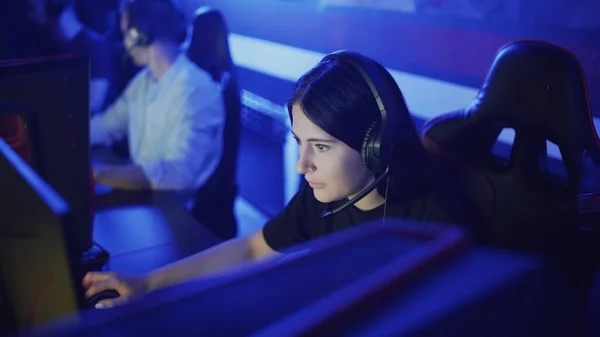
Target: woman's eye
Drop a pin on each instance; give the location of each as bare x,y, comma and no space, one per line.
322,148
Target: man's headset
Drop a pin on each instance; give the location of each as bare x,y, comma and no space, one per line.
150,18
386,133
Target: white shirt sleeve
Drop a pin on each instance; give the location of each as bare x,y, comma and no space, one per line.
195,151
112,124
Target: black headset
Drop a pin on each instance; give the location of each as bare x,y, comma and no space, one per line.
386,132
142,31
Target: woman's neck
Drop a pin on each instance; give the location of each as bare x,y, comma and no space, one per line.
370,201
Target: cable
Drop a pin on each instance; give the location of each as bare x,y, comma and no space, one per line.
385,200
101,248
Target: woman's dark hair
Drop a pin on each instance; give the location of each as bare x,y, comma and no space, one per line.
336,98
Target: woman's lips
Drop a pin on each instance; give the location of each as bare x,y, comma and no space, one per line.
316,185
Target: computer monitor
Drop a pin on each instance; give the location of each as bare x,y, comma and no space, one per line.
401,279
39,267
44,116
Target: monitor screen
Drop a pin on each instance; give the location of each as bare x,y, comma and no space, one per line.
39,269
44,117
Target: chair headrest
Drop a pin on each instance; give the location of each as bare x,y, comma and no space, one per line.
535,88
209,44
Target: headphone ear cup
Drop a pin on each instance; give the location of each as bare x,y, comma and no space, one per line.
133,35
145,37
367,153
138,37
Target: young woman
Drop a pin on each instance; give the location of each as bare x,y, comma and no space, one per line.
332,109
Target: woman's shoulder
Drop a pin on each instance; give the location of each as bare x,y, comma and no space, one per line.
448,205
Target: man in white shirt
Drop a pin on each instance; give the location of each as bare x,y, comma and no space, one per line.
172,111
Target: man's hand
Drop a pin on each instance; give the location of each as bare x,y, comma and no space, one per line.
126,177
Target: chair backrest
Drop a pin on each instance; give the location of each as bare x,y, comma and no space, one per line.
209,49
209,44
537,89
534,87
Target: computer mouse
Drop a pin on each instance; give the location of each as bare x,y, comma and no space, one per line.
103,295
100,189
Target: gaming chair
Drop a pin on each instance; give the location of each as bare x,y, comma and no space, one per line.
537,89
209,49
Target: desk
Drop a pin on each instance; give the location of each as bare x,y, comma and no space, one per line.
417,280
145,230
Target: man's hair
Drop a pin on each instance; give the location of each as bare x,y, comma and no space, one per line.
157,19
54,8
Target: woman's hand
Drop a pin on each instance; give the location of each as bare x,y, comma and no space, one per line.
127,286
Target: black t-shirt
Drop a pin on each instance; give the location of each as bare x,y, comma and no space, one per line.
301,220
91,44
